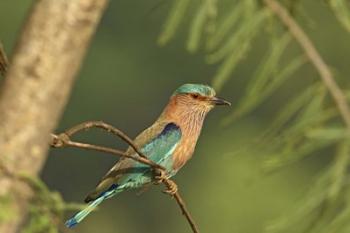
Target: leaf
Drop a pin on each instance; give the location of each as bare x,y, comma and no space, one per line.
341,10
293,154
347,94
238,46
330,133
305,208
333,207
228,66
312,115
198,24
304,119
285,73
6,211
339,169
226,25
292,107
244,34
173,21
250,8
269,65
299,130
255,98
266,81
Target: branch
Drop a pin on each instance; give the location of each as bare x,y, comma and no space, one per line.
314,57
64,139
47,58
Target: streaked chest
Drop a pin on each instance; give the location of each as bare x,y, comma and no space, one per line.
186,146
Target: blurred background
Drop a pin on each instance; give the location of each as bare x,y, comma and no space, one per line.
126,81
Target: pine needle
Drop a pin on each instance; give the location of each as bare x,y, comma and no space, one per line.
173,21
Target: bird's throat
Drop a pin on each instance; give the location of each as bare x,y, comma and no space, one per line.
189,118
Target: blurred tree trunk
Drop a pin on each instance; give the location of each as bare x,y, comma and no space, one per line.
47,58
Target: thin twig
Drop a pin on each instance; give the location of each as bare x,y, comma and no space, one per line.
315,58
64,139
3,60
59,142
183,207
109,128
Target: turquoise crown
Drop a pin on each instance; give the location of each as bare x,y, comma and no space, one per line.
201,89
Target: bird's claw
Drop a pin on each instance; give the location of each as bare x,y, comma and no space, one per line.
159,176
171,187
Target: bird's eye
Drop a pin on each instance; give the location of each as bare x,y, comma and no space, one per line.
195,96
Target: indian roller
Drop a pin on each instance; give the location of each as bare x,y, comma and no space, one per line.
170,142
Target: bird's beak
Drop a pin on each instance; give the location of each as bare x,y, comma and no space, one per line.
219,101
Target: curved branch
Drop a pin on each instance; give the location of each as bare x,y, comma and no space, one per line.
64,139
314,57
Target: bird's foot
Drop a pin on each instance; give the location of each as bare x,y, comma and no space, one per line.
159,176
171,187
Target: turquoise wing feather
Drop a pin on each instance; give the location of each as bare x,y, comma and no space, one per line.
159,150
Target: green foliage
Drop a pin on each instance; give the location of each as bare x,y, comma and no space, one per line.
6,213
224,27
267,78
175,17
307,122
327,204
235,49
203,21
46,209
341,9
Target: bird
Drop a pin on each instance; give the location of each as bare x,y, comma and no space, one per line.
170,142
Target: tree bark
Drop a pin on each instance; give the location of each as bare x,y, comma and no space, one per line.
47,58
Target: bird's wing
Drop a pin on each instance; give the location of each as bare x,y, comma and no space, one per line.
157,143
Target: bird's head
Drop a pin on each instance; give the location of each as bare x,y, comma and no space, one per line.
198,97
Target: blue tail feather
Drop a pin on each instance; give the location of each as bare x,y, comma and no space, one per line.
78,217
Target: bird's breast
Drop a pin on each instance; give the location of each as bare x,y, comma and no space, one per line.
183,151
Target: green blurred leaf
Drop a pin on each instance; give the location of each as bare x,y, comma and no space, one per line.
267,79
6,211
305,210
293,153
236,48
292,107
226,25
173,21
245,34
228,66
339,169
311,115
341,9
197,25
329,133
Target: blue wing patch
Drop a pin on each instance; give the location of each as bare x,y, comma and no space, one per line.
169,128
161,147
159,150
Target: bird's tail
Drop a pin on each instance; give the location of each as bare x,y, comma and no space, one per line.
78,217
